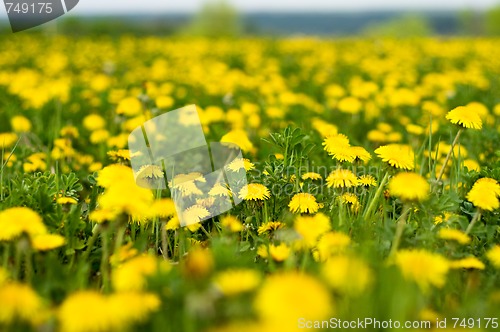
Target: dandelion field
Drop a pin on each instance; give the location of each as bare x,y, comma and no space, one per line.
373,169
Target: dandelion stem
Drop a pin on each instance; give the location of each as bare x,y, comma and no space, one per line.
28,257
265,213
375,198
164,241
399,230
341,215
156,230
133,231
205,232
175,252
6,254
90,243
119,238
455,141
474,220
105,261
17,261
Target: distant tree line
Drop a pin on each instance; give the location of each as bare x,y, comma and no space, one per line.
218,19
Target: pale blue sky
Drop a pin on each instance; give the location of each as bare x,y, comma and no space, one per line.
155,6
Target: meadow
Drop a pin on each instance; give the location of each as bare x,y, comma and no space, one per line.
373,169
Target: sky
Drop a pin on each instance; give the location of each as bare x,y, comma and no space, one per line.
176,6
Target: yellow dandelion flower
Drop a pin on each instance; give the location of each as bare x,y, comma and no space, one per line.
114,173
397,155
132,308
376,136
198,263
136,203
71,131
124,253
206,202
20,124
18,220
324,128
188,188
471,165
423,267
351,200
194,214
131,275
454,234
149,177
493,256
173,224
347,275
269,227
95,167
311,176
409,187
331,243
129,106
186,183
239,163
163,208
193,228
280,252
464,117
11,158
360,153
102,215
286,297
262,251
237,281
479,108
484,194
240,138
351,105
367,181
120,141
414,129
279,156
150,172
339,148
99,136
7,140
164,101
310,228
255,192
231,223
66,200
220,189
19,303
94,304
341,178
333,142
467,263
275,112
442,218
384,127
342,154
109,312
303,203
94,122
427,314
121,154
44,242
